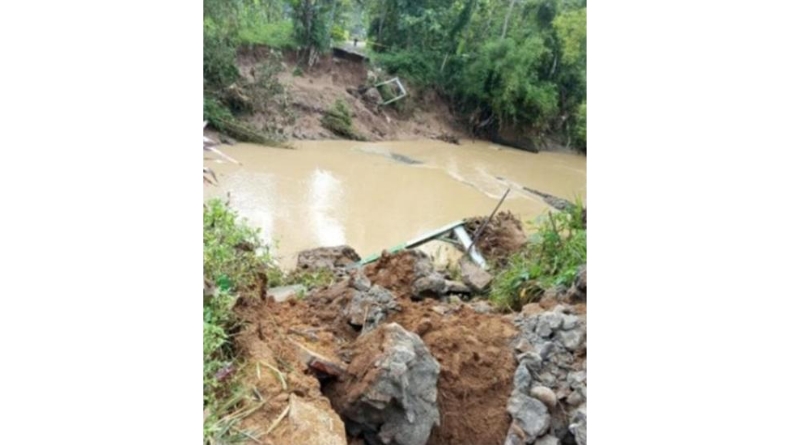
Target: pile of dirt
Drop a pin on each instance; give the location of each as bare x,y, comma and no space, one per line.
476,374
312,343
502,237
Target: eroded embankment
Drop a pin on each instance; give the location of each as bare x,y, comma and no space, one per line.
397,352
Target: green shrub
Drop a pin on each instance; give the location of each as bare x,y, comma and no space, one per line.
219,56
338,120
551,258
233,258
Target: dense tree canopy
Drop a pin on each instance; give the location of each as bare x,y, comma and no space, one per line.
515,63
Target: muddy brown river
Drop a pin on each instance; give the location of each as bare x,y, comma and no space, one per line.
375,195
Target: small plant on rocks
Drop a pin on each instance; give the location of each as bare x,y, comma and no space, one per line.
551,258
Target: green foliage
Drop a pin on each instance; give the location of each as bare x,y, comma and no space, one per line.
571,28
216,114
580,126
231,249
233,258
515,63
551,258
505,77
338,120
418,67
339,34
311,24
279,35
219,55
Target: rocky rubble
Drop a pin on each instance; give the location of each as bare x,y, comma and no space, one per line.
404,361
369,304
551,377
390,395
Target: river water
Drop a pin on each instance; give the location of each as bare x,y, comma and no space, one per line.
375,195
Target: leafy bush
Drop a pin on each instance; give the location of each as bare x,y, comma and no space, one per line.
580,127
339,34
338,120
505,76
219,56
232,251
233,259
419,67
551,258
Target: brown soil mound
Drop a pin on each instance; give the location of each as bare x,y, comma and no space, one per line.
502,237
477,369
273,337
394,272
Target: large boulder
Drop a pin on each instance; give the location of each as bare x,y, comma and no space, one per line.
389,394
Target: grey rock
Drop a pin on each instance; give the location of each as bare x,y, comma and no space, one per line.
398,405
360,282
569,322
368,309
577,377
548,379
578,426
548,322
527,325
545,395
522,379
532,360
575,399
284,293
457,287
529,414
547,440
432,285
572,340
545,349
473,276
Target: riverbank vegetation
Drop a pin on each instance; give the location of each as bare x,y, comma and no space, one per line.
551,258
504,65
